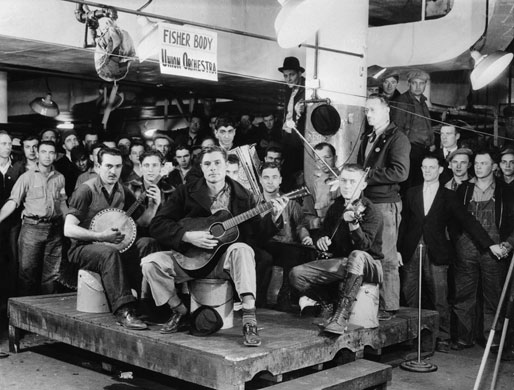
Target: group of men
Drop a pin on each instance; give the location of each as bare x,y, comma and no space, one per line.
403,202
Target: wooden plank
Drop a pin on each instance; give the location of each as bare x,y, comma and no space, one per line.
358,375
218,361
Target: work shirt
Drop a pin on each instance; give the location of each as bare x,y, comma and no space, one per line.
40,195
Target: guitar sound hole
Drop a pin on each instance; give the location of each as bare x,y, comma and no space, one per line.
217,230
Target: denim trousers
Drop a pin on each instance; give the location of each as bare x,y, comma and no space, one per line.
40,254
390,288
434,288
470,268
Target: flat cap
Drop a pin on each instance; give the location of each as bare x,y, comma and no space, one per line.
418,74
390,73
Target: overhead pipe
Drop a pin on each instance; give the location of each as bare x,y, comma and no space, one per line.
427,42
206,26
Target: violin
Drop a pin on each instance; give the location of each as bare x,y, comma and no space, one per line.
354,212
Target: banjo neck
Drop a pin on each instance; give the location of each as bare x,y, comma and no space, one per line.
136,204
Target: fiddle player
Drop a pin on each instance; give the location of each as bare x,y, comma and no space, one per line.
198,200
352,232
119,271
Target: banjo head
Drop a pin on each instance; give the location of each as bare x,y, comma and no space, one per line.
115,218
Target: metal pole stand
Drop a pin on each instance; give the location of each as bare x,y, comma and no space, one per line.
418,365
508,316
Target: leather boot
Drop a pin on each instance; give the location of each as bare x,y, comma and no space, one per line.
325,315
347,293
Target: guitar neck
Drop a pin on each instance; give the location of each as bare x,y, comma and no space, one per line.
230,223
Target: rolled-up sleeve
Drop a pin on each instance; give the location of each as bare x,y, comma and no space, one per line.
80,202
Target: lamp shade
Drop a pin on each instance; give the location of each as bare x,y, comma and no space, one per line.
45,106
298,20
488,67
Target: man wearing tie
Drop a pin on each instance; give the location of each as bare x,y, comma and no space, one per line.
428,210
385,150
450,135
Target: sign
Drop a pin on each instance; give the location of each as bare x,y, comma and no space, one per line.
188,51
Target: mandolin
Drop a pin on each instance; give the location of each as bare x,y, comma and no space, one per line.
223,226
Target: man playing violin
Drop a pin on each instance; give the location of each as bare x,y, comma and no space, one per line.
90,250
193,203
352,232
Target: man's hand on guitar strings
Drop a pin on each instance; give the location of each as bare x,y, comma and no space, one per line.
112,235
279,204
200,239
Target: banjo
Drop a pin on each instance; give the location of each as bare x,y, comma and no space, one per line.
118,219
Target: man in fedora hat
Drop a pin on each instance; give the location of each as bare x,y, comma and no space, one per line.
294,110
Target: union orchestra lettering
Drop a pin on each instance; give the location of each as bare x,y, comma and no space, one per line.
198,65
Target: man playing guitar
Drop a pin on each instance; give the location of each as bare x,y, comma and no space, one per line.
172,227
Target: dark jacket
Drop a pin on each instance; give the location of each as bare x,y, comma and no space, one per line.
504,204
445,211
192,201
389,163
6,184
368,237
402,113
300,95
447,174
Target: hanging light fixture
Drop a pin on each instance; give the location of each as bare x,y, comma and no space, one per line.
45,105
488,67
298,20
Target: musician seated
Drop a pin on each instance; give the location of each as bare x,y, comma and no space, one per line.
352,232
182,225
94,250
285,254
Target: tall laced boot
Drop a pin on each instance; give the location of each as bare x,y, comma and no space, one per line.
348,290
325,315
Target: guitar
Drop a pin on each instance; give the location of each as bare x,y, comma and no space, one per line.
118,219
223,226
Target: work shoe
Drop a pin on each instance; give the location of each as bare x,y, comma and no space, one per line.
127,318
251,336
325,315
442,346
338,323
460,345
384,315
174,323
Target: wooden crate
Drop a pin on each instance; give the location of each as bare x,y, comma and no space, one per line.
219,361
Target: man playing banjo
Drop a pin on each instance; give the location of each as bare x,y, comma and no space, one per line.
94,250
196,201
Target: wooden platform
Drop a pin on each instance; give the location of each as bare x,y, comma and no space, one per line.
219,361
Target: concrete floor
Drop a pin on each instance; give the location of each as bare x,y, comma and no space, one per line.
45,365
